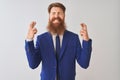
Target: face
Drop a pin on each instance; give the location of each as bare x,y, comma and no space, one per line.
56,16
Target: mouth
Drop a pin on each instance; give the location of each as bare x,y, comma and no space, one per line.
56,21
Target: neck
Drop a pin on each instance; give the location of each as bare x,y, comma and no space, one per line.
57,32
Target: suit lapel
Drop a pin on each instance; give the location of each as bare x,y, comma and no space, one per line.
50,41
64,43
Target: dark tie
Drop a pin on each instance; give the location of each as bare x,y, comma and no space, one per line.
57,55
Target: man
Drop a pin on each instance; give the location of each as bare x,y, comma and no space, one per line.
58,49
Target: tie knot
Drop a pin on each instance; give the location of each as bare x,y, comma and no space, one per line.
57,37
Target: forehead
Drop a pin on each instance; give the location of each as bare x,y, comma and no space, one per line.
56,9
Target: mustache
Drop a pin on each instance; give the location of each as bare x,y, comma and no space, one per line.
58,18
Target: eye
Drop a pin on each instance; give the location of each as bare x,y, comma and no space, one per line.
60,13
53,13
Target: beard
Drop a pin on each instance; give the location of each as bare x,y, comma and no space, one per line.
56,27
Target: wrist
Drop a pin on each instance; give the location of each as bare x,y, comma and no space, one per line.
86,39
29,37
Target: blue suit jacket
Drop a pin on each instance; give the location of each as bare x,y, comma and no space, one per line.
71,51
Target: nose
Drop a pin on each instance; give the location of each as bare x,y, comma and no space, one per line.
56,15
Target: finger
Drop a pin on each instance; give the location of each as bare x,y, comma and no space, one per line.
84,31
84,26
34,29
81,33
35,32
32,24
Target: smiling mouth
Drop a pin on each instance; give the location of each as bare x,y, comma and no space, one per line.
56,21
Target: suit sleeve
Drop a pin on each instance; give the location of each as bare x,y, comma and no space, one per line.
84,53
33,53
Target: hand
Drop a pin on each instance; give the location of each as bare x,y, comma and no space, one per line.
32,30
84,32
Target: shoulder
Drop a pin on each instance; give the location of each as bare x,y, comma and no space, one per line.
73,37
71,34
43,35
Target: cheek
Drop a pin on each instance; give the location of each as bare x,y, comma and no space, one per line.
50,18
62,17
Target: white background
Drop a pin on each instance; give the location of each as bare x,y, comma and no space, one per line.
101,16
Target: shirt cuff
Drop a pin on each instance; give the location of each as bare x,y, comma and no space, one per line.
29,40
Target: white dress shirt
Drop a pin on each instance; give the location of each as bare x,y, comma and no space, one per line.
54,40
